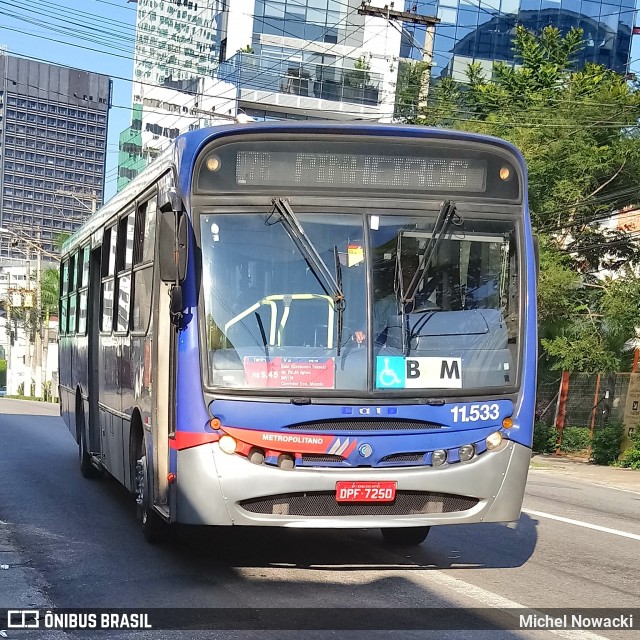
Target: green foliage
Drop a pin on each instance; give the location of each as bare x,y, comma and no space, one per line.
577,129
575,439
359,76
558,290
60,239
408,89
21,389
544,438
49,290
631,457
3,373
605,446
247,49
581,348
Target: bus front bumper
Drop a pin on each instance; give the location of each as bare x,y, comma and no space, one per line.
212,485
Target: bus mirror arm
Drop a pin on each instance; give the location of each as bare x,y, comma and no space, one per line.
176,307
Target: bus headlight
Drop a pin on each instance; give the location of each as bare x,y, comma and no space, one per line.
439,457
227,444
493,440
466,452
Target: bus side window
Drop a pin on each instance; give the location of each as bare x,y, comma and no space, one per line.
143,253
71,327
83,283
108,268
124,262
64,289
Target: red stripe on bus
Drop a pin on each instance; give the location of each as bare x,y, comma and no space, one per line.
296,443
188,439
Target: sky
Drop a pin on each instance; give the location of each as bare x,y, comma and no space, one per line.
98,36
109,24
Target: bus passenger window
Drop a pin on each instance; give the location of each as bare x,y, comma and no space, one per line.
144,241
85,267
64,284
142,290
124,263
107,306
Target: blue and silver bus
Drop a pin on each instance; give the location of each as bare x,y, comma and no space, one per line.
308,325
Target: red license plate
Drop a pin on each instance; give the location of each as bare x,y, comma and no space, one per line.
365,491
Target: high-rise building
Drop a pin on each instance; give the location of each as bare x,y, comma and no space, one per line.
482,30
53,139
302,59
175,48
264,58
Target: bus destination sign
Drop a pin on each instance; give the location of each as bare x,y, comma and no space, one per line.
355,170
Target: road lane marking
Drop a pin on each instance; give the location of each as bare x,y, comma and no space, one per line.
579,523
495,601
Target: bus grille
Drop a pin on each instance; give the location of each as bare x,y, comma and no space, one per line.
326,457
404,457
365,425
323,503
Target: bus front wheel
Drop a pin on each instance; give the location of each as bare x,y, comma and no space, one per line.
154,528
405,536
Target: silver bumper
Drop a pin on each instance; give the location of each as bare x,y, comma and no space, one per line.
211,484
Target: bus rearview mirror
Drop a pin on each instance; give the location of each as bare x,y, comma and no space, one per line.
173,246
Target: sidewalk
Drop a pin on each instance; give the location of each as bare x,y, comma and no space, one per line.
21,587
625,479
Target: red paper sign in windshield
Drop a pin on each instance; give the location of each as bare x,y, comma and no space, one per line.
290,373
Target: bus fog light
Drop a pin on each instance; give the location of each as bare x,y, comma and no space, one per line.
286,461
439,457
493,440
466,452
256,456
227,444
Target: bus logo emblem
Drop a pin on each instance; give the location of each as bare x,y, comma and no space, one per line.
365,450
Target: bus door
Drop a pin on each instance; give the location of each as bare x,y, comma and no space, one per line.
93,332
164,354
159,349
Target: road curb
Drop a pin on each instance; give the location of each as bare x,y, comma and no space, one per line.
611,477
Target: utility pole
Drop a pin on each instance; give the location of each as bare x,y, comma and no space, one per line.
388,13
33,361
38,323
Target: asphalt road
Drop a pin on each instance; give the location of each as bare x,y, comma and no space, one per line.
79,541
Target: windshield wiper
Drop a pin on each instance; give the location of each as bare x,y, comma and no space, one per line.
308,251
340,307
446,216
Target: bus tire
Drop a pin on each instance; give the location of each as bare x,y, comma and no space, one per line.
87,468
154,528
405,536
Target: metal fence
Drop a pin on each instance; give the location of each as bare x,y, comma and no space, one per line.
590,397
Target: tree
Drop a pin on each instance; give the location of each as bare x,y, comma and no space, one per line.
578,130
49,291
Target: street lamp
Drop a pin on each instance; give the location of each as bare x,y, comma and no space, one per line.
37,366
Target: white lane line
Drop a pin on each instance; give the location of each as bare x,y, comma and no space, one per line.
586,525
495,601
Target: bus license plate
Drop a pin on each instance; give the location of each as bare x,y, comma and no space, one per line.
365,491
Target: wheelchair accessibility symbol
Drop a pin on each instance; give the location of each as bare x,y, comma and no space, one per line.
390,372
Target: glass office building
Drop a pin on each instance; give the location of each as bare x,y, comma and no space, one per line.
53,139
483,30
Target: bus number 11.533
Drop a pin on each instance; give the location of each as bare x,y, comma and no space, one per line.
475,412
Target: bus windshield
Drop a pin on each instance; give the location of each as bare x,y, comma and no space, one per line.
445,303
446,320
272,319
